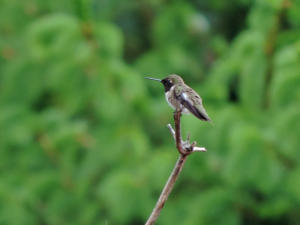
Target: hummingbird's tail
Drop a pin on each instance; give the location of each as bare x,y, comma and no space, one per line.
203,116
198,111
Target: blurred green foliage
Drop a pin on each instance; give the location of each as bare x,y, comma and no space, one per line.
83,137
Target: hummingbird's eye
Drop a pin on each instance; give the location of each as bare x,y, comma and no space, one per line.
167,83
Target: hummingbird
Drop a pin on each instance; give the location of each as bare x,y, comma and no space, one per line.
181,97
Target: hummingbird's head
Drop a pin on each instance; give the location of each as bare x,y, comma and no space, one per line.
169,81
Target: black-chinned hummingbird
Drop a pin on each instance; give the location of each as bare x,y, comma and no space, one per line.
181,97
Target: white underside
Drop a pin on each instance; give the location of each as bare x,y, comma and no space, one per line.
167,95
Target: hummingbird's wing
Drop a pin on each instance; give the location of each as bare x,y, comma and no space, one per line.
193,102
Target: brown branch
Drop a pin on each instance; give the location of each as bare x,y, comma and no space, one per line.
177,116
184,148
167,189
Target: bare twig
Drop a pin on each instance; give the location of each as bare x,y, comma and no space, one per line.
167,189
184,148
172,131
186,143
199,149
177,116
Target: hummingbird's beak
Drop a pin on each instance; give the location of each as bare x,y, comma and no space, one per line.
150,78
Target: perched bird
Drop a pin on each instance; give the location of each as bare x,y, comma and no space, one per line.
182,97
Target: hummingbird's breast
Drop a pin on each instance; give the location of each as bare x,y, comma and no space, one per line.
173,102
168,96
